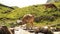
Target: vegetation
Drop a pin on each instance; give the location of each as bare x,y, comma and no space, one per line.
43,16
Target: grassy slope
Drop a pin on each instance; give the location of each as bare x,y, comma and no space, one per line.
4,10
37,10
56,21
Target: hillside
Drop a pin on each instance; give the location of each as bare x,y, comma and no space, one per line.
43,16
4,9
52,1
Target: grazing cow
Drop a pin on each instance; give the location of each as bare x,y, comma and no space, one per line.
50,6
4,30
27,19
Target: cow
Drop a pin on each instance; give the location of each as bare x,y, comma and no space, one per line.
50,6
4,30
27,19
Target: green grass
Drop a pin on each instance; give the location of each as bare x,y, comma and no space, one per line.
37,10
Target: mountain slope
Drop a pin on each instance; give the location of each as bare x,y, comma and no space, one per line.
4,9
52,1
42,15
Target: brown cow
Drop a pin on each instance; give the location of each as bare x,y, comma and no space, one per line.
4,30
27,19
50,6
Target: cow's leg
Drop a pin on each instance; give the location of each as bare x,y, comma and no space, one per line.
32,25
27,26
